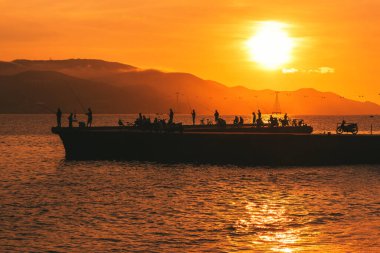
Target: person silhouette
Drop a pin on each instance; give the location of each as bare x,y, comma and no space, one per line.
89,117
259,114
253,118
216,115
70,118
271,120
59,117
171,116
193,116
236,120
343,123
241,120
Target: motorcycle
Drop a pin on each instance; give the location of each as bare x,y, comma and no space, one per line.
347,128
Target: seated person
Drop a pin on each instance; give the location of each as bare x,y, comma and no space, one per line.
221,122
241,121
236,120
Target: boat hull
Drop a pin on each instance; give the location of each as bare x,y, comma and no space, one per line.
218,147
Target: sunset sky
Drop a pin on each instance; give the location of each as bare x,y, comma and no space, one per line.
336,44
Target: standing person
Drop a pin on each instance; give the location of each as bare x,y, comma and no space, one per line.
59,117
216,115
193,116
89,117
285,122
70,118
171,116
259,114
253,118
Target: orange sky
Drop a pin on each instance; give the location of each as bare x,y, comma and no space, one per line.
205,38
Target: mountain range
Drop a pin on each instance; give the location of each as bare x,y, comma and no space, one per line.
40,86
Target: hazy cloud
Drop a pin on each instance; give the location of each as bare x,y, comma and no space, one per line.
320,70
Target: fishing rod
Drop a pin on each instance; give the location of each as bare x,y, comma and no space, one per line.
35,102
188,103
77,97
43,105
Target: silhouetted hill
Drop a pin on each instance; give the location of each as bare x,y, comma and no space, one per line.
118,88
83,68
206,96
44,91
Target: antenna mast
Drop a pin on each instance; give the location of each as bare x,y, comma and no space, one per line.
277,108
177,95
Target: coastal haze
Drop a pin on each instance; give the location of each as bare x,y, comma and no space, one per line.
108,87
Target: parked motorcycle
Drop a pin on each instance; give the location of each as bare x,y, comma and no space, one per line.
347,128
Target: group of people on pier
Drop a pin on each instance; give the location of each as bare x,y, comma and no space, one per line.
73,118
257,120
144,121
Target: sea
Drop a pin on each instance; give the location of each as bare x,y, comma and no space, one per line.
49,204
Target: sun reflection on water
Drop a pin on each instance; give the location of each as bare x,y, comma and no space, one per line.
270,227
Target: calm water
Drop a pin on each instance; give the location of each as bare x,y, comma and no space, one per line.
49,204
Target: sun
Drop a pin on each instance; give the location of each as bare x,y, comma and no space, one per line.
271,46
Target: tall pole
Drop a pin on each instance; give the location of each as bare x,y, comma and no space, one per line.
277,108
177,94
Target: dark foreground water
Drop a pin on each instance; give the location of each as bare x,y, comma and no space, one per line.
48,204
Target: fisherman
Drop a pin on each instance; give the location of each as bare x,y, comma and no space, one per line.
89,117
171,116
59,117
70,118
259,114
253,118
216,115
193,116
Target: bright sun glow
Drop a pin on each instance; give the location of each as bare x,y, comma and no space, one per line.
271,46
